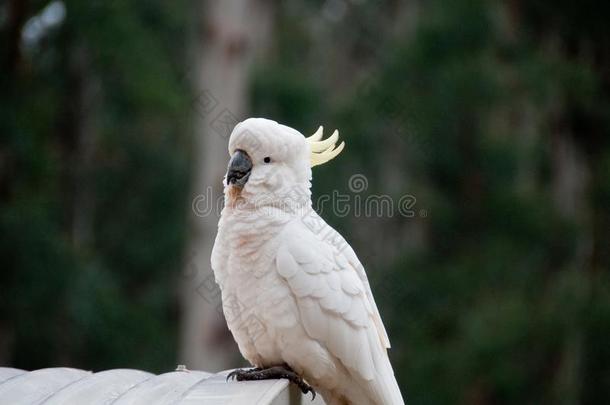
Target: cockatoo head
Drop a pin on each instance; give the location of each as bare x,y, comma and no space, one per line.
269,159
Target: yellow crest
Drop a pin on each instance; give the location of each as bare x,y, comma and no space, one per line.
323,150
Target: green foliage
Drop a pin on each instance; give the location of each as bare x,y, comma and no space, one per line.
106,299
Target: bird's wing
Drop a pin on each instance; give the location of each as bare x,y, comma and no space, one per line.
351,257
336,306
335,247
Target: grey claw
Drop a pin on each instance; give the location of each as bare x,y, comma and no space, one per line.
232,375
307,389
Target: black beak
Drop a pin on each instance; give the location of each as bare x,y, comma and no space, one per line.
239,169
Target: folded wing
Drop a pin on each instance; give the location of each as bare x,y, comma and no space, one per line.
336,305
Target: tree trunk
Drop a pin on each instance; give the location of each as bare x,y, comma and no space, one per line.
571,179
80,144
229,37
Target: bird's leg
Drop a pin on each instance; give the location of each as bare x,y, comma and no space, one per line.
273,373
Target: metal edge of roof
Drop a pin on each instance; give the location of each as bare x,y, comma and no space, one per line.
193,395
51,394
46,380
121,387
6,373
112,382
274,391
141,393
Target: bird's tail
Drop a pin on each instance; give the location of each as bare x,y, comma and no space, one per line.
384,387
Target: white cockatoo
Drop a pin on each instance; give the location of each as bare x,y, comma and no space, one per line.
295,296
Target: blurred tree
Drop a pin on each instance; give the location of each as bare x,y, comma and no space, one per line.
230,35
94,179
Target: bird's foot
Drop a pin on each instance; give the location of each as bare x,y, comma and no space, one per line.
240,373
272,373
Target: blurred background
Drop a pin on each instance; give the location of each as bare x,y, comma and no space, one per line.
494,116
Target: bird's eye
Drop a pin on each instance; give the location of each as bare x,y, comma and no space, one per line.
267,159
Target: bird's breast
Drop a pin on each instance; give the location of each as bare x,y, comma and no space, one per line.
249,242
